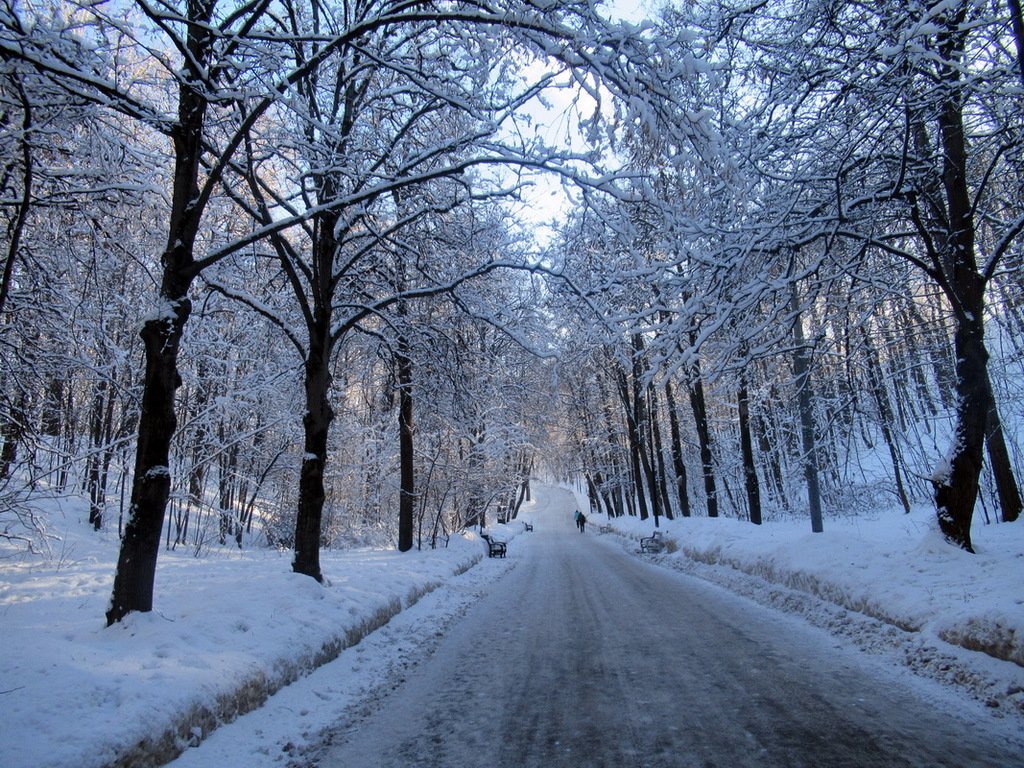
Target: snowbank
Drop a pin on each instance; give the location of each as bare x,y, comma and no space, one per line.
227,631
896,569
232,627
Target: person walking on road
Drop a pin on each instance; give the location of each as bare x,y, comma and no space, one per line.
581,520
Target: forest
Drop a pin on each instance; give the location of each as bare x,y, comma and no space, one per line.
313,274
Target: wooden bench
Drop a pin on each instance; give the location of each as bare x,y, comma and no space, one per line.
605,529
528,526
652,543
495,548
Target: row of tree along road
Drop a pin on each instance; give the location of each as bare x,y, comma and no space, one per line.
309,209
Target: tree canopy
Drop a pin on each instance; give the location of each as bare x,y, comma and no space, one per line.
269,269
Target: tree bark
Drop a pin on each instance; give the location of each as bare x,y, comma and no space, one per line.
615,482
881,398
747,449
151,484
407,492
13,432
805,403
316,425
17,227
1002,467
700,418
678,464
97,432
1017,24
659,455
161,335
643,418
956,481
635,443
51,418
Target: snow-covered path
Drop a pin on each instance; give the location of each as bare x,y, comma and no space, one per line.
585,656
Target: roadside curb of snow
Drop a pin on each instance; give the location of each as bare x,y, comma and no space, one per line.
205,717
958,664
974,634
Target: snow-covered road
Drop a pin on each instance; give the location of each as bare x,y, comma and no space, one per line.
585,656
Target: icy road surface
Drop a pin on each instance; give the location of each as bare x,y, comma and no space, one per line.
585,656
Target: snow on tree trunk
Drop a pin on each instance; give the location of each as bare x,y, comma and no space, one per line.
316,425
151,484
805,403
956,479
678,464
700,419
161,336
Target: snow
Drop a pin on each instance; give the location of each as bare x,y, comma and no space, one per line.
233,626
888,584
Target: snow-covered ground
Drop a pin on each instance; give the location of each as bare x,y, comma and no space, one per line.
232,627
889,585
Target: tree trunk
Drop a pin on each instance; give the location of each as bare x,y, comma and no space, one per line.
161,336
805,403
151,483
956,481
594,494
476,512
678,464
316,425
17,226
524,468
747,449
884,416
228,498
407,492
523,495
700,418
51,418
1002,467
1017,24
13,432
107,455
659,455
617,478
771,449
644,430
97,431
635,447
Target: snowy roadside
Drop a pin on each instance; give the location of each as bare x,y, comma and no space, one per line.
232,627
889,585
228,630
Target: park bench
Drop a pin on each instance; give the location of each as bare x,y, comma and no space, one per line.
605,528
495,548
528,526
652,543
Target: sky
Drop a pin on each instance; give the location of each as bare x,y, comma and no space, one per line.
629,10
546,201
